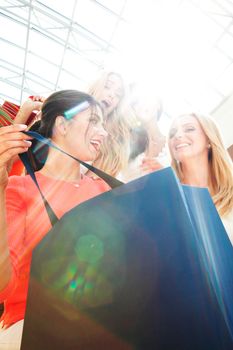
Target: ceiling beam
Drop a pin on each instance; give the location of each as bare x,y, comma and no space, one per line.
26,51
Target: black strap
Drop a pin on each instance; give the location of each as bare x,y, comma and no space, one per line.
52,216
110,180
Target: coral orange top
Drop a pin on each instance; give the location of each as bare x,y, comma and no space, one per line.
28,223
17,168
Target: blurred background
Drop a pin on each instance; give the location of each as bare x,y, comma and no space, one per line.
180,50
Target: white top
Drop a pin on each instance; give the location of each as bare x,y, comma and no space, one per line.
228,224
134,171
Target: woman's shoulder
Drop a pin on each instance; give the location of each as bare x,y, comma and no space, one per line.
19,180
18,190
96,182
18,184
228,216
227,221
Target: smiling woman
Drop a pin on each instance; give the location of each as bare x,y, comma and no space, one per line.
110,91
200,159
188,141
73,121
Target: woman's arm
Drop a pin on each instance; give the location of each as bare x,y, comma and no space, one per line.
5,267
33,103
12,142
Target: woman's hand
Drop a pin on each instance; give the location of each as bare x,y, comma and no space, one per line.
12,142
34,103
150,164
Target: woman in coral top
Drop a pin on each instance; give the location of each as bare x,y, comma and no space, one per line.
73,121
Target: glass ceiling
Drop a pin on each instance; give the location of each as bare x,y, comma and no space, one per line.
179,50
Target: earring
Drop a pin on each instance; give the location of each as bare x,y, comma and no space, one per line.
209,146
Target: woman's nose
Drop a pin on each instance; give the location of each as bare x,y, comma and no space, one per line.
178,135
110,94
102,131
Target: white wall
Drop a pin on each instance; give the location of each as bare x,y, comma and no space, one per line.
223,115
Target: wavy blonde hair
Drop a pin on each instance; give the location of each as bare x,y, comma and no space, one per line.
220,166
114,153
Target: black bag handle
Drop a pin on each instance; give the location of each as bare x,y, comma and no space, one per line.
110,180
25,159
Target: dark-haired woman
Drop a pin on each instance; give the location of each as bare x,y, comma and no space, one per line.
73,121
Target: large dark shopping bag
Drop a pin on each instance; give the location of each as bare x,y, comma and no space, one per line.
145,266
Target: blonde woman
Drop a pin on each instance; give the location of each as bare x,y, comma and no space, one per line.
200,159
110,91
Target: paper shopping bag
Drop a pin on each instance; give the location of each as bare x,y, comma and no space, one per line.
147,265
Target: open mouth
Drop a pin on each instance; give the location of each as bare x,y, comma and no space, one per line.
96,144
182,145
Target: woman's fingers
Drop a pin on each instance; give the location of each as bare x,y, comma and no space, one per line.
10,153
14,137
10,149
37,98
14,132
13,142
37,102
33,103
8,144
12,128
151,164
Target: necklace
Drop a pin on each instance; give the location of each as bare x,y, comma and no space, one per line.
45,171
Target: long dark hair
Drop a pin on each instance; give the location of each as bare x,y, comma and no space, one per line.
56,104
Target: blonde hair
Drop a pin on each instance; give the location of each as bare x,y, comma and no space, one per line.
220,166
114,153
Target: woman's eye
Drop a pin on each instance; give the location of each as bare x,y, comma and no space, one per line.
189,129
172,134
94,120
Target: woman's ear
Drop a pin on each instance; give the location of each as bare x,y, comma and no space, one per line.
61,125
